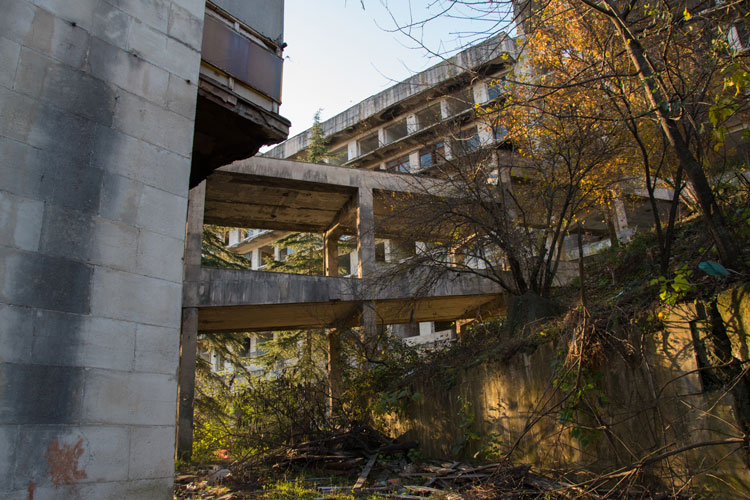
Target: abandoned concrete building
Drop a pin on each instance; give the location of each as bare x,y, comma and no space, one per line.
109,111
410,128
116,120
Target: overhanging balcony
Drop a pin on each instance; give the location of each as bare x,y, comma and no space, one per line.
239,93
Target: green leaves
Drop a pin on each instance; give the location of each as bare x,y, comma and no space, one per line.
674,290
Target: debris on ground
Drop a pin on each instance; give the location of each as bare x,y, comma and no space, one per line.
393,478
363,463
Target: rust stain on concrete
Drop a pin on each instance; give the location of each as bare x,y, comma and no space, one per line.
31,488
63,462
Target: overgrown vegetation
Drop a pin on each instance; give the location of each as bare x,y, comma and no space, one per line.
629,98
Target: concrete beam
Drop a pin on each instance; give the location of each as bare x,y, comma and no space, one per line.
234,300
330,175
258,318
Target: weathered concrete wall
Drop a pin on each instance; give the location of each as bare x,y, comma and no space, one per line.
734,307
651,403
97,100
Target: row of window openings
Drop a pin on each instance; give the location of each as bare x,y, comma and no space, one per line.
465,142
456,103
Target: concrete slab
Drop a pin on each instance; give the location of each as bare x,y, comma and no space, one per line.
231,300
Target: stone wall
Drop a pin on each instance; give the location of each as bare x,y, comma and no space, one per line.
97,99
649,401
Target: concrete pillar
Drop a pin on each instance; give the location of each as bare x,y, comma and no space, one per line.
414,161
189,330
388,250
353,263
256,259
448,148
621,220
381,137
486,135
186,389
335,384
98,106
366,254
411,123
365,233
331,254
481,93
445,109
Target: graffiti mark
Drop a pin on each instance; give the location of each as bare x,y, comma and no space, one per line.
63,463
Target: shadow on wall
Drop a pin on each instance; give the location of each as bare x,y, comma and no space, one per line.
680,385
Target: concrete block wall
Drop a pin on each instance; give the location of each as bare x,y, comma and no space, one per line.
97,107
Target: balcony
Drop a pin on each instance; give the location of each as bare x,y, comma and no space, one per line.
239,93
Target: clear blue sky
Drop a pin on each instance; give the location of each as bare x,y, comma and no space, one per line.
339,54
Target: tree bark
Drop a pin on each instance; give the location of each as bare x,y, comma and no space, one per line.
711,212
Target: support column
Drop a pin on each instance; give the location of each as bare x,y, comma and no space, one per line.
331,254
621,220
366,256
189,333
335,385
186,388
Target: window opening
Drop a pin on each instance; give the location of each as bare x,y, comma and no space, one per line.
395,132
461,101
368,144
399,165
431,155
497,87
338,156
428,116
466,141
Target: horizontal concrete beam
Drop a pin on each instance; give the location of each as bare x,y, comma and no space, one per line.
345,314
330,175
230,287
254,300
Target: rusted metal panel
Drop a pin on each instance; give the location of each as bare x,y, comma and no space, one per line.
242,58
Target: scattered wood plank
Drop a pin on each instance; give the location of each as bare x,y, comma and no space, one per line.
466,476
366,472
422,489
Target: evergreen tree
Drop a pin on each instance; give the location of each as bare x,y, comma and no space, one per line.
317,150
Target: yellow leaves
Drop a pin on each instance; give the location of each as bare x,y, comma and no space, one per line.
686,15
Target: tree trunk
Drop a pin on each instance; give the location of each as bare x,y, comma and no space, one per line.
712,215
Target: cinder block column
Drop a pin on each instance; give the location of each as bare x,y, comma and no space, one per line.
189,328
97,107
366,255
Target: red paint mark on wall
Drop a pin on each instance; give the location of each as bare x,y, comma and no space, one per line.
63,462
31,488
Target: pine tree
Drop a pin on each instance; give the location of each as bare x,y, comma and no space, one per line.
317,150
